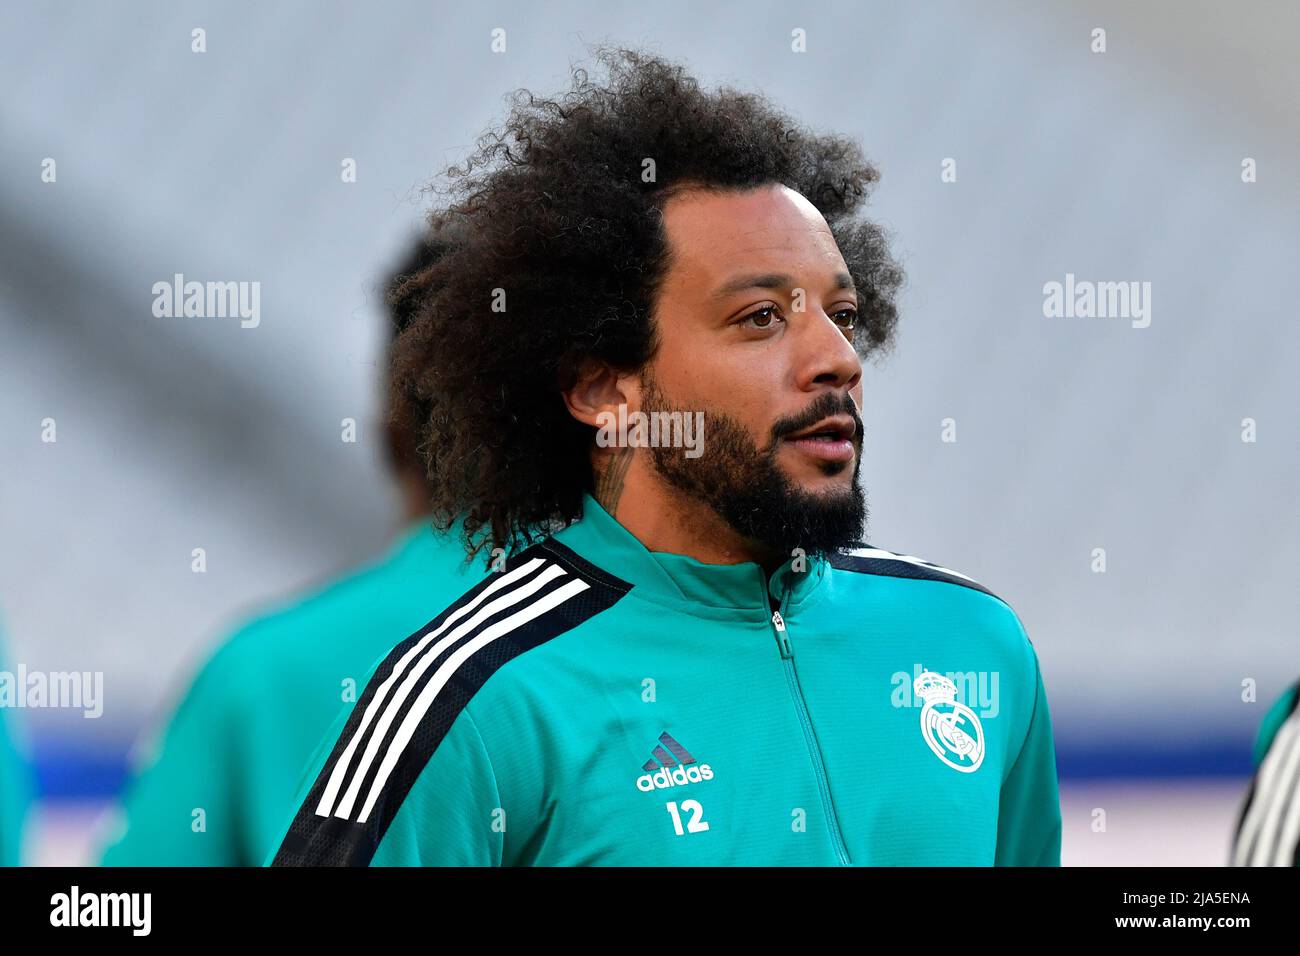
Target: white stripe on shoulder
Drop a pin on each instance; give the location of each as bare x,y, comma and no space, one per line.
882,555
380,702
1271,849
390,713
424,702
1270,783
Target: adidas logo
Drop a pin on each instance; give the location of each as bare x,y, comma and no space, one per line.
671,765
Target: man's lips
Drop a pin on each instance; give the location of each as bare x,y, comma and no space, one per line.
831,439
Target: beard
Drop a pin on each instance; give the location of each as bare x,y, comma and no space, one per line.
744,485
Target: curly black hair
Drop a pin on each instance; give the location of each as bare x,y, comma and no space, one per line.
553,254
402,297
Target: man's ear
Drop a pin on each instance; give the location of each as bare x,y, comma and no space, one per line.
600,389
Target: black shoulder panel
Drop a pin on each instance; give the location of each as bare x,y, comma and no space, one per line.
894,565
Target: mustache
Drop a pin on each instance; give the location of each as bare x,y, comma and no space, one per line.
827,404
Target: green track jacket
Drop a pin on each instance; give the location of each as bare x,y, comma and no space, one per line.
598,703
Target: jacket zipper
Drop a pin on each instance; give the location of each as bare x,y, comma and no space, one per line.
810,737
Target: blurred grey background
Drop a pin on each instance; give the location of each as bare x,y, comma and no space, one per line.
1072,433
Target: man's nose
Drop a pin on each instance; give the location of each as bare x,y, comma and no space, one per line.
829,357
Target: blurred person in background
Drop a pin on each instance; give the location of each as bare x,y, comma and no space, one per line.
15,786
1268,826
232,757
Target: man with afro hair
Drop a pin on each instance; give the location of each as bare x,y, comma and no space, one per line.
640,375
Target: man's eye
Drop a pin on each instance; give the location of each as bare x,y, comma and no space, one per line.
846,318
762,319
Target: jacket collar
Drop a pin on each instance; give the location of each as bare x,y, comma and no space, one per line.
678,579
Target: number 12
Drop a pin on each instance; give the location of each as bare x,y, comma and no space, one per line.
696,824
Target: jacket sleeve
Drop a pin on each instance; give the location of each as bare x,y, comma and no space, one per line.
372,799
1029,811
453,815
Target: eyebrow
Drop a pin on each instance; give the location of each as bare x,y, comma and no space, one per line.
773,280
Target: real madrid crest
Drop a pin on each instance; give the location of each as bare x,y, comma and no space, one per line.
951,729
